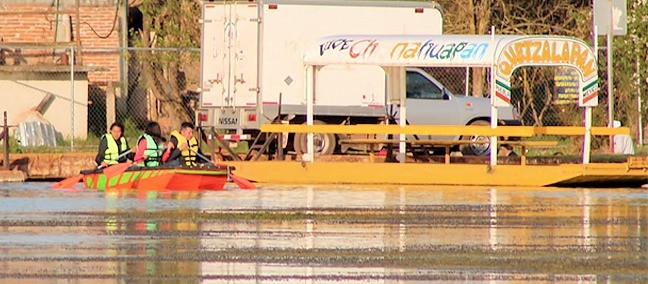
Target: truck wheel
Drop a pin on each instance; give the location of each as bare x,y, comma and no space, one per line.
476,149
325,143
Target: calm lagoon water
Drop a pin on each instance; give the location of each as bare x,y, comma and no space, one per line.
323,234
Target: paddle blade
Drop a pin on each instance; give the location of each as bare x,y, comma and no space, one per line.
68,182
242,183
115,170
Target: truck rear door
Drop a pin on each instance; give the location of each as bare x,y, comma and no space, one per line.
229,55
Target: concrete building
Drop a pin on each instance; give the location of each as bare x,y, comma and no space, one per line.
35,58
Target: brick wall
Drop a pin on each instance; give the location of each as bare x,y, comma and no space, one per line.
25,24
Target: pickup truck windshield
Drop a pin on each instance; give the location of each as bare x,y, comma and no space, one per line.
419,87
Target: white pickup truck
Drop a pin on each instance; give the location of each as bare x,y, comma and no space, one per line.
429,102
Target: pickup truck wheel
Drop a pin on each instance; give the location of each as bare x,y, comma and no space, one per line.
325,143
476,149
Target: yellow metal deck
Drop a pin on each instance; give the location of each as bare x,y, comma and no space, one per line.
631,173
293,172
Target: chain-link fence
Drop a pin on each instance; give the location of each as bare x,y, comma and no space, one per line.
46,96
159,85
54,105
542,96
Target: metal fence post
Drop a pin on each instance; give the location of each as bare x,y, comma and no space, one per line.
6,141
72,62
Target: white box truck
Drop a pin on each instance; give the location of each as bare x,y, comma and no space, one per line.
252,69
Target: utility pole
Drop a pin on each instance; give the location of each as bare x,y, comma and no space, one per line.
610,70
78,33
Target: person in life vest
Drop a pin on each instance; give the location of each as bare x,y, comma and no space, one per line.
183,147
111,146
150,146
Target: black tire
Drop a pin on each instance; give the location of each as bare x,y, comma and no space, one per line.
325,143
476,149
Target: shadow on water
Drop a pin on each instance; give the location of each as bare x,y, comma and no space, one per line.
324,234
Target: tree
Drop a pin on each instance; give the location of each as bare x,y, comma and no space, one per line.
469,17
535,85
563,17
630,68
168,24
173,23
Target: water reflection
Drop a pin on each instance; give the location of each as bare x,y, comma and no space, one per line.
321,234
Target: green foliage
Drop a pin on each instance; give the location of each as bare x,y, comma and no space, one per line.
14,146
89,144
131,131
174,22
168,24
630,70
574,18
169,75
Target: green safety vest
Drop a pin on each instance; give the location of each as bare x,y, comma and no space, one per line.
153,152
112,151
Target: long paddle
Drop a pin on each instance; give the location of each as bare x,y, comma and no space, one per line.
118,169
115,170
69,182
239,181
